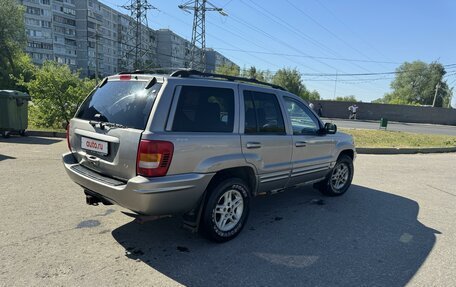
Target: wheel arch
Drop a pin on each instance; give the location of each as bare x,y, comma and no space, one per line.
349,152
246,173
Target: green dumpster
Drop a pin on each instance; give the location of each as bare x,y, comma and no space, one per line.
383,123
13,112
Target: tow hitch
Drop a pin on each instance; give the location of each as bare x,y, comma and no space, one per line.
92,200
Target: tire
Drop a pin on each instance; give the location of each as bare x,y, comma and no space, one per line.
22,133
5,134
220,222
339,179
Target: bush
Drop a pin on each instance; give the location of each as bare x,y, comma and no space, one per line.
56,94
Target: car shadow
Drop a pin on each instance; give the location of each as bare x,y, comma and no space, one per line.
296,238
29,140
5,157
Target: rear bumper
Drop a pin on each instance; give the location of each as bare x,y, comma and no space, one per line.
151,196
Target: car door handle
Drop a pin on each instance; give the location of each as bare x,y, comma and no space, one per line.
300,144
253,145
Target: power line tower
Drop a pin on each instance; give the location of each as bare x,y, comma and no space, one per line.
199,8
138,51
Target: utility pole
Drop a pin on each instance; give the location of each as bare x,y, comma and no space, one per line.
199,8
437,87
138,50
97,36
335,86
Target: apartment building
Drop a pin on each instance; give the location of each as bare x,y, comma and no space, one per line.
94,38
173,51
50,26
147,50
97,47
214,59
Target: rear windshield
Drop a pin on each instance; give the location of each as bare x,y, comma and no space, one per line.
122,102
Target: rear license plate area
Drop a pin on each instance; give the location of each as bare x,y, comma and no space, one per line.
100,147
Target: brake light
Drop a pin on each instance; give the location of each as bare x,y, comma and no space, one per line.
125,77
154,158
68,136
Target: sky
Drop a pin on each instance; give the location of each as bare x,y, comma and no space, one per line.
324,37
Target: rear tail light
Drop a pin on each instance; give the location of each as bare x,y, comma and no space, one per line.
68,136
154,158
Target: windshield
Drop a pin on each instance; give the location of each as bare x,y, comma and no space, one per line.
127,103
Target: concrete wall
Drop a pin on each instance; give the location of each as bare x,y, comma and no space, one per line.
399,113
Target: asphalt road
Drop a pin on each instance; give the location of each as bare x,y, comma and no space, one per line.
396,126
394,227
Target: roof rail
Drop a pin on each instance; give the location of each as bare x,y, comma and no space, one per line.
163,70
185,73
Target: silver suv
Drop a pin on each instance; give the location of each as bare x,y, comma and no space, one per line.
200,145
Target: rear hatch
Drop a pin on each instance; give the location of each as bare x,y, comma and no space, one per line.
106,130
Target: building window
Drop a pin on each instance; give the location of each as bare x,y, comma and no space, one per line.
34,11
64,20
46,24
32,22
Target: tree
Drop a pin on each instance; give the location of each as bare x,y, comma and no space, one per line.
12,43
254,73
229,70
350,98
312,96
56,94
291,80
415,84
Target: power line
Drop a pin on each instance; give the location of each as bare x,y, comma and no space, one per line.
309,56
369,74
349,29
329,31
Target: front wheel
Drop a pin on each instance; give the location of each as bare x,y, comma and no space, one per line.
226,210
339,179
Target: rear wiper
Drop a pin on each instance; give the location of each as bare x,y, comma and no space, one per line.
102,124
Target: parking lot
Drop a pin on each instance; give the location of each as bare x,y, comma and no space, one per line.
395,226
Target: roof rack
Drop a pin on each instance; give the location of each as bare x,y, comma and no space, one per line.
185,73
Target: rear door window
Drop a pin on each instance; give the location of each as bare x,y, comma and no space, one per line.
262,114
122,102
204,109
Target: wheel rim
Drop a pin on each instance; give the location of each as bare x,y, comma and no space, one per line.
228,211
339,176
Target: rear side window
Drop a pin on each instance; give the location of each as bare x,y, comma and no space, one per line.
204,109
122,102
262,114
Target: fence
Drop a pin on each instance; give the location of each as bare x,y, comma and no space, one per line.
398,113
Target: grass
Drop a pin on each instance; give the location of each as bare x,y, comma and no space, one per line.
393,139
32,127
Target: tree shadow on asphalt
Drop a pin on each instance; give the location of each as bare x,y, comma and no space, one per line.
29,140
296,238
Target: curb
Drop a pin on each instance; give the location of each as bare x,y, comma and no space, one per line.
404,150
46,134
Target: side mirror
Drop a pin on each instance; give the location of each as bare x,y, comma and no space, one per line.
330,128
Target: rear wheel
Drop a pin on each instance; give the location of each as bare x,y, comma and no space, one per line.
226,210
22,133
339,179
